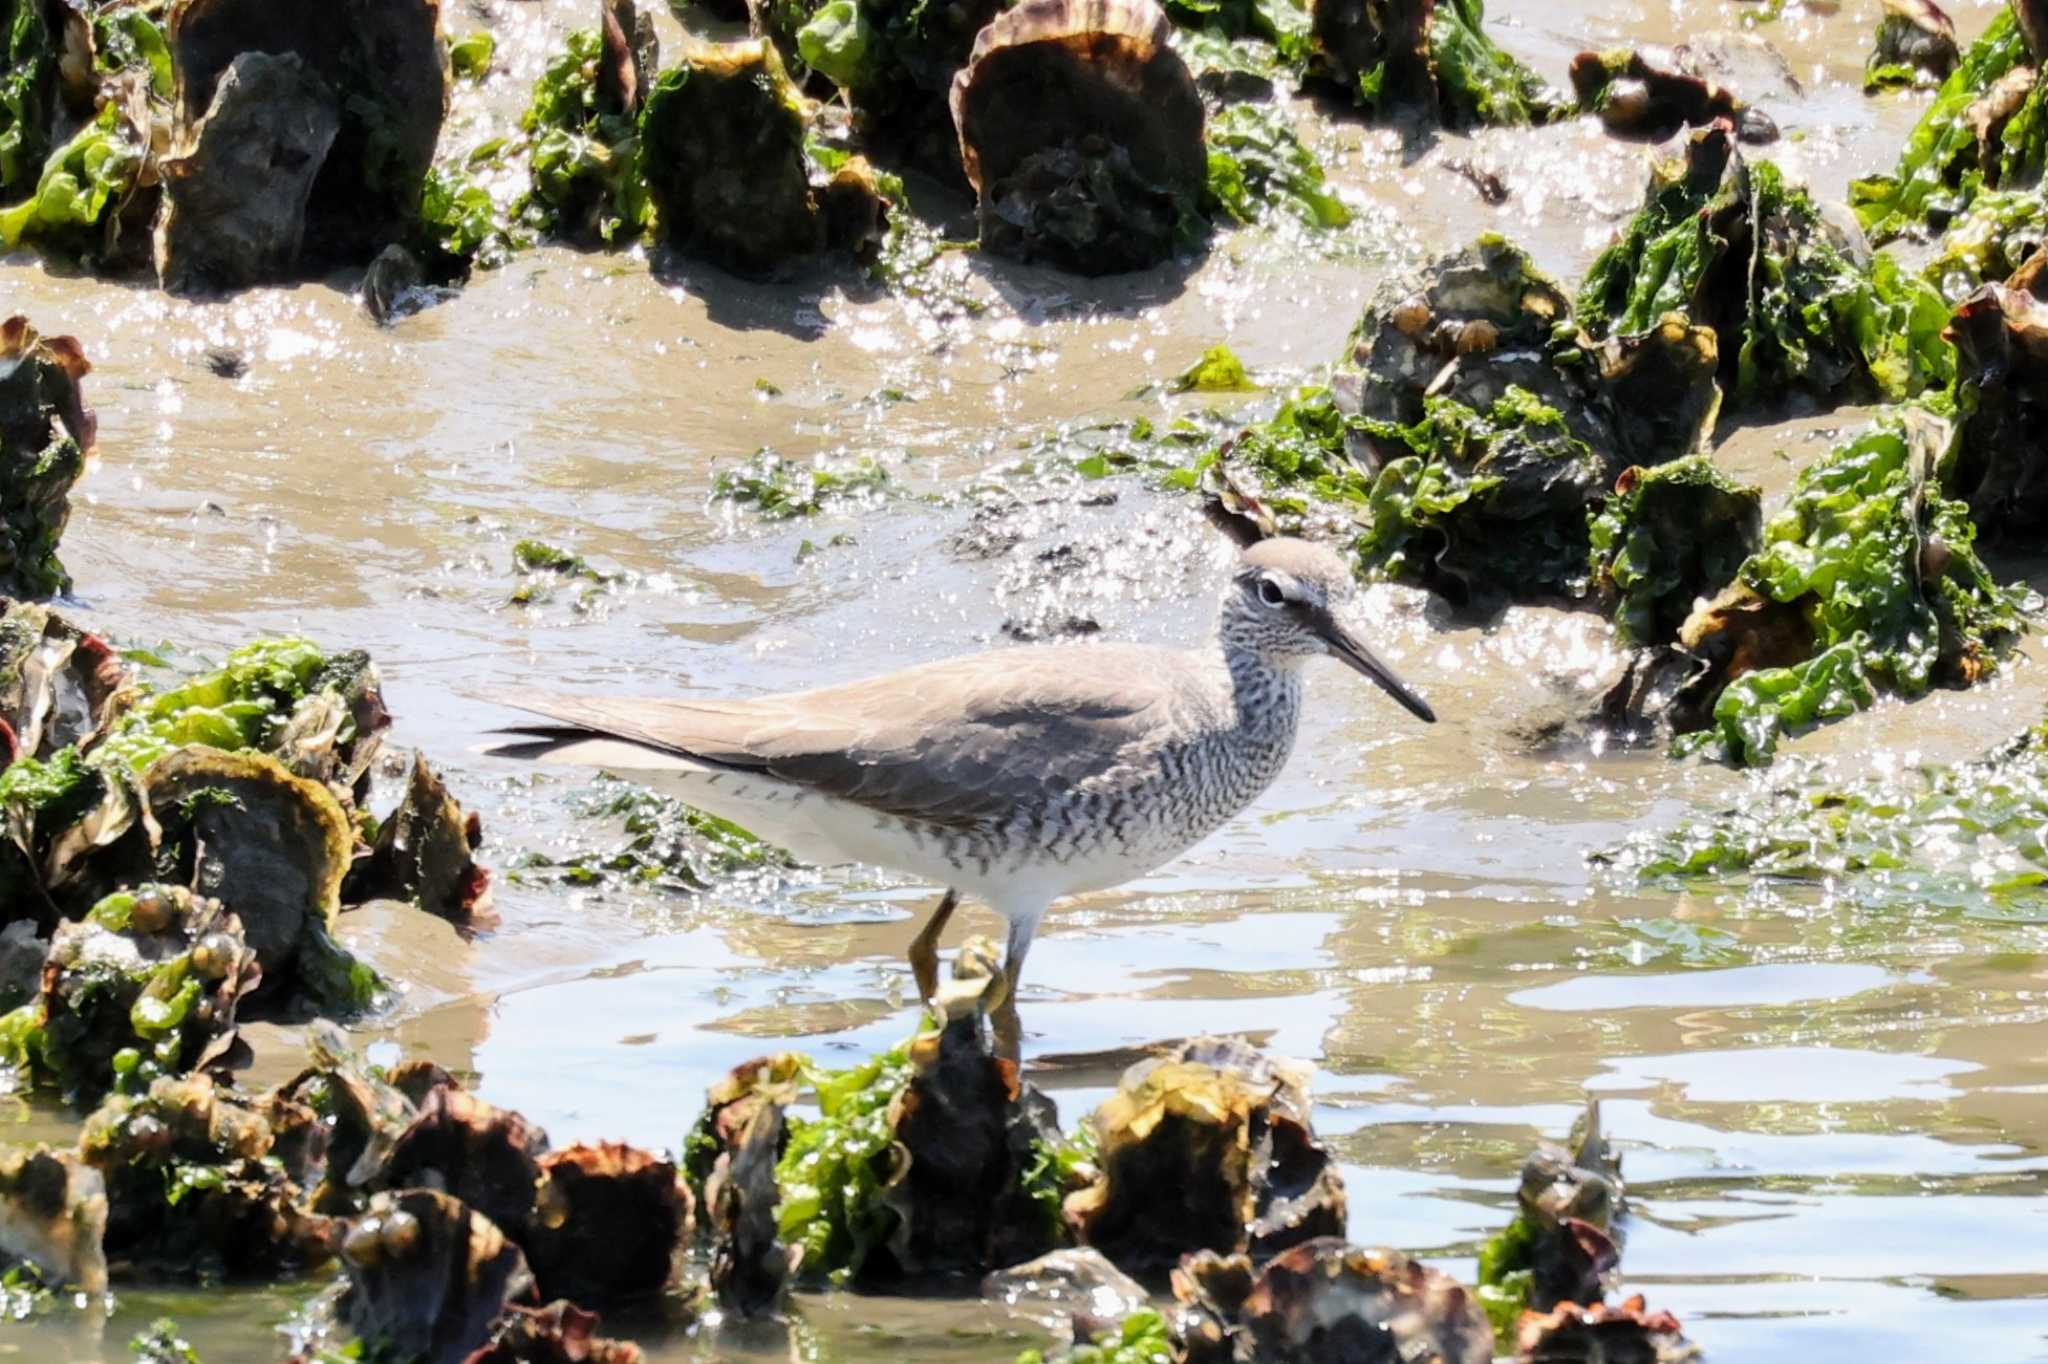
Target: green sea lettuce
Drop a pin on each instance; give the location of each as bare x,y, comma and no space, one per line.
1947,835
83,181
1482,503
1945,163
1881,567
1257,165
1141,1338
1669,535
28,93
1727,243
837,1165
582,153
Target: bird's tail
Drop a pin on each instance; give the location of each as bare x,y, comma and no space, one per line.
574,746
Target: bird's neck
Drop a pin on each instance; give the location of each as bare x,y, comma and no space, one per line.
1267,694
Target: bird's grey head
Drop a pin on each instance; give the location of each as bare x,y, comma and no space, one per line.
1290,600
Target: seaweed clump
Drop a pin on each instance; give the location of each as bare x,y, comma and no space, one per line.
1727,243
583,137
1937,834
1984,131
1426,59
1670,535
1867,578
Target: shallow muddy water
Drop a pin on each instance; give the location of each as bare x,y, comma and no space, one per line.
1833,1114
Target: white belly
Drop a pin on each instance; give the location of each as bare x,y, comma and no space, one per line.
823,831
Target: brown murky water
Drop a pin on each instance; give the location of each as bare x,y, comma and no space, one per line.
1835,1120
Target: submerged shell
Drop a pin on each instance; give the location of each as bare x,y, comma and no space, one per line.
1600,1334
1081,131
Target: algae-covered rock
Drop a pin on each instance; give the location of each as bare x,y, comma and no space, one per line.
53,1215
1725,242
1464,327
1669,535
1916,45
240,176
271,846
922,1161
1481,503
610,1224
967,1130
1625,1334
146,985
1081,133
1649,95
1561,1246
241,783
1999,462
194,1189
723,153
1868,579
1206,1148
382,65
429,1278
46,437
1426,59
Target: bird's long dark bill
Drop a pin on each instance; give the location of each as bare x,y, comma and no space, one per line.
1356,656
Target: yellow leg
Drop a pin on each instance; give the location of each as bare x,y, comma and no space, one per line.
999,1001
924,948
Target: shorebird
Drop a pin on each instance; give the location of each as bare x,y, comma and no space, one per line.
1016,776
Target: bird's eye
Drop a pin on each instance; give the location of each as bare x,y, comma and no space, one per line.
1270,593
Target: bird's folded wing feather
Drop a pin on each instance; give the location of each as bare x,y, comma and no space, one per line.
958,743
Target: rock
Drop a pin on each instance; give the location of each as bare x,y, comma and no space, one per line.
240,176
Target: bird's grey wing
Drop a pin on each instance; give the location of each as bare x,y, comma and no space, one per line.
960,744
